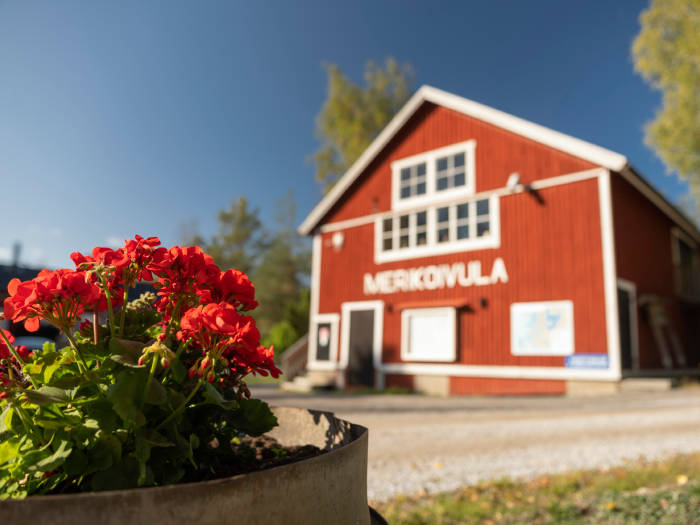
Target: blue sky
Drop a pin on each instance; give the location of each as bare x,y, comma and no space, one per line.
138,117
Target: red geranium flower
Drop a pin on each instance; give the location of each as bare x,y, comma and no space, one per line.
59,297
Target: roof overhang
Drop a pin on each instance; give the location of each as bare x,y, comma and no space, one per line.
560,141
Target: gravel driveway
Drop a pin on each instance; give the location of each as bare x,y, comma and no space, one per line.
420,443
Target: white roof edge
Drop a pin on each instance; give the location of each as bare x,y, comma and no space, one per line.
560,141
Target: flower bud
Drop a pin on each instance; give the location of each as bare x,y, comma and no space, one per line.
192,372
165,363
205,363
142,360
211,376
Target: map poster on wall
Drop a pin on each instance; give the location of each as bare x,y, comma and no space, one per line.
543,328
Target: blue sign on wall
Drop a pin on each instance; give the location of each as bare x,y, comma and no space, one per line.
587,361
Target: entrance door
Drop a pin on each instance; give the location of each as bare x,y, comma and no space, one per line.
361,343
360,347
627,318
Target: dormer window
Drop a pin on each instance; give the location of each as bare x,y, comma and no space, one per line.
434,175
412,181
450,172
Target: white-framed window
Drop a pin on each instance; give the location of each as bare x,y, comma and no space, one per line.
460,226
429,334
433,175
323,343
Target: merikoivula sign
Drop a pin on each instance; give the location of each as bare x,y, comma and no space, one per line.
433,277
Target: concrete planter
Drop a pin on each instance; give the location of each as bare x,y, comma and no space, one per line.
331,488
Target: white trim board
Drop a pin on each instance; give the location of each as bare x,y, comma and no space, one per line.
612,320
503,372
566,143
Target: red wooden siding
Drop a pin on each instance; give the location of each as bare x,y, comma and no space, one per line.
643,248
498,154
552,251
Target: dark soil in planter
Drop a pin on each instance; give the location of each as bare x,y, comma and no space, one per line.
257,453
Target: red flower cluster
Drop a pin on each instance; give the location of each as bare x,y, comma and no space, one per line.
59,297
187,281
226,336
233,287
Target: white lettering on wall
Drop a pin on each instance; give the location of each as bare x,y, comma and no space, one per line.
434,277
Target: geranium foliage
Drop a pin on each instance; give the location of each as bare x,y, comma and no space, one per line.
152,395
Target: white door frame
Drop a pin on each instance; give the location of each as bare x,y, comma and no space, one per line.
346,309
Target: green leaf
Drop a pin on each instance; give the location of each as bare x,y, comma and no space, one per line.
213,396
104,413
125,352
54,460
155,439
157,395
125,394
178,371
254,417
76,464
48,394
8,451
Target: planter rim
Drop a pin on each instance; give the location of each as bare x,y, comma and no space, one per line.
359,431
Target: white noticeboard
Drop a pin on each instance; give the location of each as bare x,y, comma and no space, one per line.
542,328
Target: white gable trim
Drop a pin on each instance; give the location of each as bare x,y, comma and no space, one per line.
579,148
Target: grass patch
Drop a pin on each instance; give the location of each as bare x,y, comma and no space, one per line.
662,492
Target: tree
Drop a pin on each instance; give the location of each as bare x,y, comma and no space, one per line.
667,53
280,279
353,116
240,239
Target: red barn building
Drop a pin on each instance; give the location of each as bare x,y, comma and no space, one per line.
468,251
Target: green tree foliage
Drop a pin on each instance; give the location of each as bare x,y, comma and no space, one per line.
353,115
279,276
240,238
667,53
276,260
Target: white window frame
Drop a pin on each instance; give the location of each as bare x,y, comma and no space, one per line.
332,361
432,247
446,355
430,158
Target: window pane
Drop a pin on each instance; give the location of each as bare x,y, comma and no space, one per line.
421,238
387,244
463,232
462,211
442,164
459,179
403,241
482,207
405,192
421,169
388,223
442,183
405,173
459,160
403,221
443,214
420,189
443,235
421,218
482,229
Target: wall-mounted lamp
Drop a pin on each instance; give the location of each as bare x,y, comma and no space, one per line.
513,182
337,240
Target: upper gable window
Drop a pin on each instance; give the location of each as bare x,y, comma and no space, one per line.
412,181
434,175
